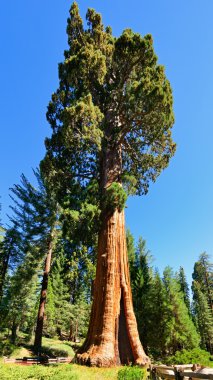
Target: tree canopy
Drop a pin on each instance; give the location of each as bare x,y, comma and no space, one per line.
112,95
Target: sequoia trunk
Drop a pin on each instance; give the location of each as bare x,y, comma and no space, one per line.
41,309
113,336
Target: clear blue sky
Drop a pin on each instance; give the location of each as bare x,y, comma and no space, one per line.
176,217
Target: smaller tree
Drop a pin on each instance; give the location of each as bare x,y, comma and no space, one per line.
11,254
184,288
203,274
158,318
18,304
183,333
203,317
141,283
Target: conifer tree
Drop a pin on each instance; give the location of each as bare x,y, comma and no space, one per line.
20,296
203,317
11,254
141,283
34,221
111,120
184,288
203,274
183,333
159,316
131,251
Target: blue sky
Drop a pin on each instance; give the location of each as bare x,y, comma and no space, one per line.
176,216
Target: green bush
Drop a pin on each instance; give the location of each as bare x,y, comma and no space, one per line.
195,356
131,373
6,348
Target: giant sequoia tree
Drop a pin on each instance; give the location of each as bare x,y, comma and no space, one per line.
111,120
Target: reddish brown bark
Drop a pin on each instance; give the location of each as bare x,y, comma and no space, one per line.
113,335
41,309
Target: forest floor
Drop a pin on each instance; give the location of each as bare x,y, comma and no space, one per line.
51,347
56,372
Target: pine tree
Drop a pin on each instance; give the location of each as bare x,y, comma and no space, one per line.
159,318
20,297
203,274
11,253
34,221
141,283
130,251
111,120
182,330
203,317
184,288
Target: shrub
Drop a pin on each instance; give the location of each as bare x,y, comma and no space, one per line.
195,356
6,348
131,373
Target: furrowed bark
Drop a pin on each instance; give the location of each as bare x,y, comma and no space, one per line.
112,337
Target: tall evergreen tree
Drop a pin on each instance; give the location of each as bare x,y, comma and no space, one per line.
141,283
184,288
11,253
203,274
111,120
34,220
183,333
159,316
203,317
18,304
130,251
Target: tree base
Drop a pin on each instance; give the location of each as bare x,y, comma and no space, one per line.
112,337
105,360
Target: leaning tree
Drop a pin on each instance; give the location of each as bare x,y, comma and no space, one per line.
111,120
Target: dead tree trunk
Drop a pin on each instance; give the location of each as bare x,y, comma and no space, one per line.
41,309
113,337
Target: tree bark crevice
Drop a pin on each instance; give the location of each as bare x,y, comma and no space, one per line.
112,336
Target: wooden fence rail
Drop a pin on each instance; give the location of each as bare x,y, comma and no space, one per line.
180,372
37,360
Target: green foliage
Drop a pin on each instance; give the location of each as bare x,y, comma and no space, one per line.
164,322
202,286
141,282
203,317
6,347
130,250
183,333
203,275
18,304
184,288
195,356
115,197
132,373
111,120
